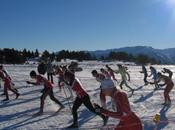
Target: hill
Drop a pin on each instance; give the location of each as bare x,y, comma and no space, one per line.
166,56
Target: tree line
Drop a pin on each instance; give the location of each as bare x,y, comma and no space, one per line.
138,59
12,56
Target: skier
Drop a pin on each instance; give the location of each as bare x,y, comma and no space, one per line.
169,86
50,71
8,85
144,71
4,71
106,85
170,73
61,81
126,70
82,98
111,72
60,77
123,74
6,74
154,74
48,90
128,119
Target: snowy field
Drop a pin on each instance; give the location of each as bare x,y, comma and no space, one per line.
18,114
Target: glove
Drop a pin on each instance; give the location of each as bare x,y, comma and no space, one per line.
28,82
98,109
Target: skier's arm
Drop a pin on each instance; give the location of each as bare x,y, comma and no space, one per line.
116,71
113,77
156,81
106,112
112,114
34,83
98,79
128,76
162,84
141,71
163,71
5,72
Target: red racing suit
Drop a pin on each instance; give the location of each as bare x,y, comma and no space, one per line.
128,119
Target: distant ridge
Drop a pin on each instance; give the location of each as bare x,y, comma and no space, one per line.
166,56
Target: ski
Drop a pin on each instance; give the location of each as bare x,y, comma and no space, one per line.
132,92
93,127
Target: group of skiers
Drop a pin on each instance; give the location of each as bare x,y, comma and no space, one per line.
119,99
158,77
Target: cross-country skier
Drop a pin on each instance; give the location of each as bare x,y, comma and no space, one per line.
106,85
170,73
127,73
122,71
50,71
154,74
61,81
111,72
128,119
59,72
48,90
6,74
8,85
144,71
82,98
169,86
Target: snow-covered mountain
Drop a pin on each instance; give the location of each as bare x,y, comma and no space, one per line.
166,56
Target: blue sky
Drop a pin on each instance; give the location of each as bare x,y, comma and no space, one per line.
86,24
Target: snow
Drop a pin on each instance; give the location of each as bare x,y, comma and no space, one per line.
18,114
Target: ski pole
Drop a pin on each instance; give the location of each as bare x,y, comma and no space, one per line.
67,98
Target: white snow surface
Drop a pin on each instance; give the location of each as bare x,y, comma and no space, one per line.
18,113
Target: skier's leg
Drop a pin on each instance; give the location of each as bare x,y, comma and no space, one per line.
48,76
42,98
14,91
145,79
76,105
88,104
166,93
51,76
52,97
3,92
127,85
103,99
6,92
121,84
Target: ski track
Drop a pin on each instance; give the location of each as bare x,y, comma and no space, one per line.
17,114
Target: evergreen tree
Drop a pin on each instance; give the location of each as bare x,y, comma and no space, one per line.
45,55
36,53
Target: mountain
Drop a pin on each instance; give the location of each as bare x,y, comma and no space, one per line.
166,56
